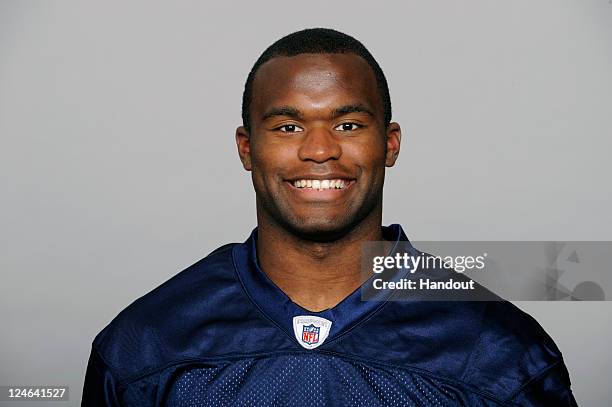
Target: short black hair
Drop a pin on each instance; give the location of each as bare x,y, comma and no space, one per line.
315,41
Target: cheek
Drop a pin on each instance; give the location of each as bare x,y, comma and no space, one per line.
271,160
368,156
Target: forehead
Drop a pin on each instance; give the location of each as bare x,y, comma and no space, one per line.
312,81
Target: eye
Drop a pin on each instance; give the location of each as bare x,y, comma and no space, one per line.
347,127
290,128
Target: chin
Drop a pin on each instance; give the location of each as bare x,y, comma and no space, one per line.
321,230
316,225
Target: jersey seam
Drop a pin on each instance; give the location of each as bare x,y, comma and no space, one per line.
131,380
542,373
474,350
420,371
108,366
121,383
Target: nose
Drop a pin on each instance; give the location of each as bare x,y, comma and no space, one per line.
319,145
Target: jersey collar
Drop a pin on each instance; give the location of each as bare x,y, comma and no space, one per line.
279,308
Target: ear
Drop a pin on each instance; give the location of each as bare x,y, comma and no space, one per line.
243,142
393,139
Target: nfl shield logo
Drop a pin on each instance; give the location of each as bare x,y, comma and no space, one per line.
311,331
310,334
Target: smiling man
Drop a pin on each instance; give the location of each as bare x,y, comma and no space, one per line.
279,319
317,138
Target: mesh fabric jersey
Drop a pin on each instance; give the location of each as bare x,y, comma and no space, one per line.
220,333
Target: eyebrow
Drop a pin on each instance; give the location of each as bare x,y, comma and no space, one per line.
294,113
282,111
354,108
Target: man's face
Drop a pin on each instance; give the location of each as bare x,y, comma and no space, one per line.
318,144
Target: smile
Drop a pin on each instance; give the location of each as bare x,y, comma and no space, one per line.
322,184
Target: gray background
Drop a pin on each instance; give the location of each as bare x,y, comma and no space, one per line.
118,166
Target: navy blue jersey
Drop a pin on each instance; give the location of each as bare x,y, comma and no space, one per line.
220,333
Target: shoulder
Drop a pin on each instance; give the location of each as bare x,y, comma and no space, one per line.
489,346
511,351
151,331
198,280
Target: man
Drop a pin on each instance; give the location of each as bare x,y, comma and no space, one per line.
279,319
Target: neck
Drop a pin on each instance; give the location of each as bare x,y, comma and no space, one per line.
315,275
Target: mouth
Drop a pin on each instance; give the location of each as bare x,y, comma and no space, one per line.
322,184
320,190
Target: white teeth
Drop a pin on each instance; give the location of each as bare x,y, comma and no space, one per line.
320,184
